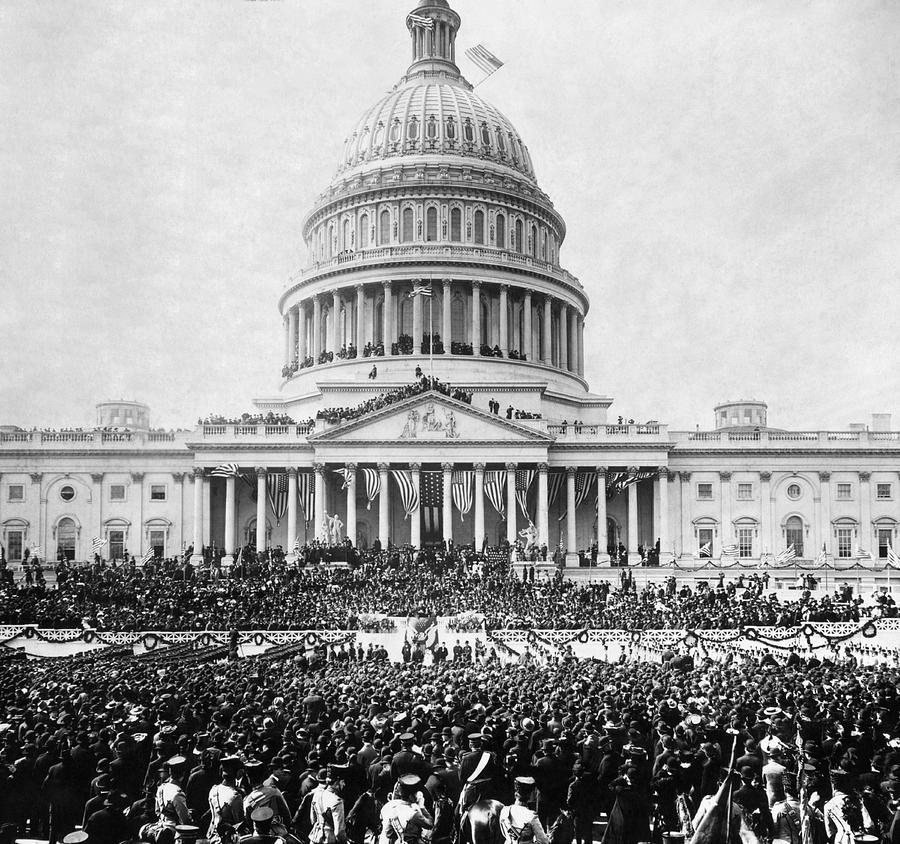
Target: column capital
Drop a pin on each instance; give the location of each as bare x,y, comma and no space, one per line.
446,281
317,298
571,470
178,477
350,466
359,288
260,471
383,467
137,477
663,472
479,467
415,467
685,476
319,468
864,476
198,472
97,477
543,467
633,470
512,465
824,477
447,467
724,476
292,471
387,284
476,283
504,288
765,476
602,470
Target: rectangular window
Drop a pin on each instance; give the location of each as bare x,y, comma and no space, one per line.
885,541
744,492
117,492
14,545
157,492
158,542
844,492
116,544
845,542
704,491
883,492
745,541
16,492
705,542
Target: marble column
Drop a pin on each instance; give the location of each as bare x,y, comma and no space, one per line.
351,502
260,508
418,326
292,512
317,328
479,505
229,515
727,533
448,502
415,518
633,535
319,501
547,350
293,320
360,322
825,512
301,332
563,337
476,317
197,558
665,543
543,513
384,512
286,322
511,533
602,537
528,341
865,515
574,364
446,324
504,320
387,317
687,533
767,539
335,323
571,527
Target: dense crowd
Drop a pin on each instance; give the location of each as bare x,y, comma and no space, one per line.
272,594
135,745
269,418
423,385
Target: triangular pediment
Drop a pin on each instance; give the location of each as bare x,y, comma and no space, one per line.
430,417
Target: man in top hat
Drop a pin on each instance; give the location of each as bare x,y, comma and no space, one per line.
327,810
265,795
170,804
404,817
108,824
519,823
226,804
753,800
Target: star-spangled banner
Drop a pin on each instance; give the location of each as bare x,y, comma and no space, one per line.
409,495
495,490
524,477
462,488
373,485
431,493
277,493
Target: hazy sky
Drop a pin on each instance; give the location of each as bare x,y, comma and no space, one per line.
728,172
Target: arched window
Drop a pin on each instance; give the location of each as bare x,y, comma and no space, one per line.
501,141
65,537
485,136
533,249
407,234
518,243
329,246
384,228
395,131
793,534
455,225
468,131
451,129
514,149
412,129
348,240
457,319
431,224
501,231
431,128
479,227
363,237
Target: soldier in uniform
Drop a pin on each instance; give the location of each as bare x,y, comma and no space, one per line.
404,817
261,819
226,804
170,804
327,810
518,822
265,795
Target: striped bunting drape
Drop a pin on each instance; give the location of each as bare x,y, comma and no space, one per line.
584,483
524,477
225,470
306,491
277,493
555,482
409,495
462,486
345,476
495,490
373,486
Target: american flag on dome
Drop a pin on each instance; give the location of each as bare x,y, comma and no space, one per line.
431,491
462,486
277,493
306,492
486,61
495,490
421,20
524,477
373,485
409,495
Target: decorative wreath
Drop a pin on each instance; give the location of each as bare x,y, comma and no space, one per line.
635,636
311,638
869,630
258,639
150,641
583,637
205,639
751,633
29,632
88,636
690,639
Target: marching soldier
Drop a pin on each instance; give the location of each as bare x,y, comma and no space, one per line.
404,818
519,823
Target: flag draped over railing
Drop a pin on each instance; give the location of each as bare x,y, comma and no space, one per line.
409,494
705,550
524,477
495,490
373,486
306,492
277,493
730,550
462,487
431,493
892,557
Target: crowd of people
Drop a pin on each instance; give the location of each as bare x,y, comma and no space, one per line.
266,592
353,750
269,418
423,384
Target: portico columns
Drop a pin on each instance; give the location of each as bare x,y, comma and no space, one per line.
571,539
574,366
292,511
287,338
334,321
543,514
765,511
319,505
581,346
229,515
546,352
476,317
563,337
387,317
865,513
446,325
632,517
301,332
417,329
260,508
479,505
687,535
528,339
350,476
317,328
197,557
360,323
415,526
664,542
504,320
825,510
727,527
602,537
510,503
448,501
384,513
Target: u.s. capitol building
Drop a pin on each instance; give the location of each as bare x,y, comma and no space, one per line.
435,248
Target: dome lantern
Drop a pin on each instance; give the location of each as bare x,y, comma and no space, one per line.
432,27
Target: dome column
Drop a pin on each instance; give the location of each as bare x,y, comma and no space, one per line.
528,339
388,323
581,346
564,337
333,322
417,329
476,317
447,469
574,364
287,339
292,334
446,326
317,328
301,331
504,320
360,325
547,351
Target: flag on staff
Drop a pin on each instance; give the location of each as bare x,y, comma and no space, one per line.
705,550
409,495
431,492
462,487
225,470
730,550
821,559
97,543
785,556
863,554
714,826
484,59
149,554
277,493
37,551
373,486
892,557
524,477
421,20
306,492
495,490
554,486
421,289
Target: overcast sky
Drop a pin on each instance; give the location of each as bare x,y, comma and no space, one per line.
728,171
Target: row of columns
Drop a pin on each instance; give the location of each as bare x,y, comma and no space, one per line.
568,348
